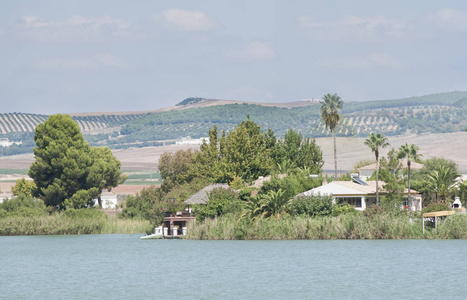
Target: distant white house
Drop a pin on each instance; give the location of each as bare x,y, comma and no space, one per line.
6,143
108,200
360,194
190,141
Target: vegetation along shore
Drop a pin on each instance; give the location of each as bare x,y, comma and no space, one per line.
266,192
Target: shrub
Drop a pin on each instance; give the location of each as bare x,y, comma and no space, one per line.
245,193
221,202
436,207
22,206
372,211
312,206
343,209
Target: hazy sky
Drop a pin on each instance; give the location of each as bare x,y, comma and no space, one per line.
79,56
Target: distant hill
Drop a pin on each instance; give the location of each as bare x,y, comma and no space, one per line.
193,117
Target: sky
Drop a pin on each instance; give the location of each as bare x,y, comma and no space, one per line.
111,55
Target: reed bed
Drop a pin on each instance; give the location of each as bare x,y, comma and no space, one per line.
348,226
60,224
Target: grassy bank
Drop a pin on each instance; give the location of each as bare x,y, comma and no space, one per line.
349,226
61,224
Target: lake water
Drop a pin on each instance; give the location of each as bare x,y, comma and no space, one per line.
125,267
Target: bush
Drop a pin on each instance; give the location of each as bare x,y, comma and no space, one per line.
436,207
343,209
221,202
245,193
372,211
312,206
22,206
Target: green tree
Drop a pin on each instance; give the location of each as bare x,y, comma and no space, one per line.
463,191
390,173
330,108
442,182
66,164
420,179
409,152
175,168
376,142
294,151
243,153
205,161
24,187
221,202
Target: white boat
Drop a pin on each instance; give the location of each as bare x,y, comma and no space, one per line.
156,235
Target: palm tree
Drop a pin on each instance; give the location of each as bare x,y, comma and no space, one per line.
330,108
274,203
409,152
463,190
375,142
442,181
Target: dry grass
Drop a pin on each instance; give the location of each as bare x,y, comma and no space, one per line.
350,150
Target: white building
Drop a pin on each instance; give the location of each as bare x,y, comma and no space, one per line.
360,194
108,200
7,143
190,141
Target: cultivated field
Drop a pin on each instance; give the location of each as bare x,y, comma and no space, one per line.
350,150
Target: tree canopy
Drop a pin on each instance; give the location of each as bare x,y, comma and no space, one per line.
67,168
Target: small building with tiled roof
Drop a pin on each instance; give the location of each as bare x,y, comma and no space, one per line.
358,193
366,171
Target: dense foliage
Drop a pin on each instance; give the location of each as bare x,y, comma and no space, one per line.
67,171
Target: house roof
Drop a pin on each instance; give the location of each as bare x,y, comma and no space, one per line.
201,197
350,189
413,166
258,183
345,188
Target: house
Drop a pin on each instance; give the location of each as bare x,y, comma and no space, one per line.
175,224
360,194
366,171
201,196
108,200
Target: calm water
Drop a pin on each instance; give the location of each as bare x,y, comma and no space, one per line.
125,267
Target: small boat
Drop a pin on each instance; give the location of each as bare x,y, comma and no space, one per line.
157,234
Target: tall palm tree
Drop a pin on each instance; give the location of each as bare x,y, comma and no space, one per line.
409,152
330,108
376,142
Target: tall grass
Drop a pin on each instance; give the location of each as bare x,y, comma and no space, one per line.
348,226
61,224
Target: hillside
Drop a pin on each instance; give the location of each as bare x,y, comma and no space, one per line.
193,117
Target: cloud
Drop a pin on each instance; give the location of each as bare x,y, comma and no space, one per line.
75,29
255,51
187,20
98,61
33,22
450,19
378,60
354,28
97,23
